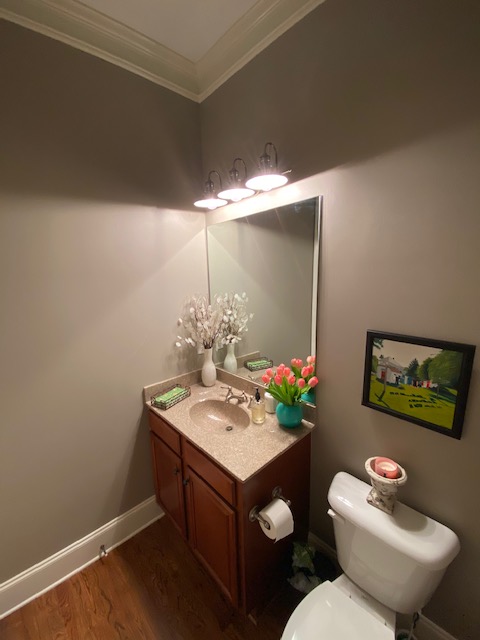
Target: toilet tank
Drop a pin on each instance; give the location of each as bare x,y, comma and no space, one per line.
399,559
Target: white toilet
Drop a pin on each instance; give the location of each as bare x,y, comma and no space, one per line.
392,563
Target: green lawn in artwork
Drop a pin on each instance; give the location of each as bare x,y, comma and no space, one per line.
416,402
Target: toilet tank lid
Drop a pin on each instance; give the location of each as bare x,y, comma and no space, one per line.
423,539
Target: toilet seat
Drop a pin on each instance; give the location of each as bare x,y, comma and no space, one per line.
327,613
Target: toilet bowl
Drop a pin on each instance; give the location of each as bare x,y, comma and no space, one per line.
391,563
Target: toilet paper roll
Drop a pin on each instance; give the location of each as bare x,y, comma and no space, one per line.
278,515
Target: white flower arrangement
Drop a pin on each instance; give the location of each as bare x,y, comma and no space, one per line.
225,323
202,323
234,317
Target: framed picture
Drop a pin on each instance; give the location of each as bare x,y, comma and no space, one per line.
418,379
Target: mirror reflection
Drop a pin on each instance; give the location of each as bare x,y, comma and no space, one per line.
272,257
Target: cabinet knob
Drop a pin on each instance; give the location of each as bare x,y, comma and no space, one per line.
186,481
176,471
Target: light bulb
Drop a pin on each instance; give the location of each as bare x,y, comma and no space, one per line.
267,181
210,203
236,193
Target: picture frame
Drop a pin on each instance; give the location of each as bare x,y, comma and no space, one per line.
421,380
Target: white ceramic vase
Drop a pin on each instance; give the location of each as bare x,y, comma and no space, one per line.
230,362
209,372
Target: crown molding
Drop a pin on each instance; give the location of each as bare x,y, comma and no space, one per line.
79,26
266,21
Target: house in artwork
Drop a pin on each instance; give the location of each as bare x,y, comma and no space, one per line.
389,370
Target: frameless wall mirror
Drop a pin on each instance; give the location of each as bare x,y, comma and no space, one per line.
273,257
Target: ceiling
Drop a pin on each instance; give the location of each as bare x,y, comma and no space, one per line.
188,46
188,27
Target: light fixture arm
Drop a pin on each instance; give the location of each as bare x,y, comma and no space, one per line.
209,185
265,158
234,174
268,176
210,199
236,189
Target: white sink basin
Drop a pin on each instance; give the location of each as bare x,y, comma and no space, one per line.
218,413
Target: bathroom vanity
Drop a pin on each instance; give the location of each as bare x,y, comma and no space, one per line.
208,479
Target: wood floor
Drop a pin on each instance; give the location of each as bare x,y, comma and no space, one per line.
151,587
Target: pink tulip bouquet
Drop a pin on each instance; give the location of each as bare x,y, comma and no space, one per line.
306,372
287,385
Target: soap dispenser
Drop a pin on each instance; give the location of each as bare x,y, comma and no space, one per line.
257,406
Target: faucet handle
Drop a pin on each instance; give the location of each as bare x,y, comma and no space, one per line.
229,393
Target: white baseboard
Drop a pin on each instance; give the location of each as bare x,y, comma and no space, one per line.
29,584
425,629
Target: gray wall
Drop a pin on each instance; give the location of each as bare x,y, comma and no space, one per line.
381,102
97,252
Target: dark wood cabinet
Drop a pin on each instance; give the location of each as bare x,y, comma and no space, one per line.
212,533
167,467
211,510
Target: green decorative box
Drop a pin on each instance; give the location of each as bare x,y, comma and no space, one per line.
168,397
255,364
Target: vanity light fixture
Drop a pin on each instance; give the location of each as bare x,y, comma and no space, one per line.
269,177
237,190
211,200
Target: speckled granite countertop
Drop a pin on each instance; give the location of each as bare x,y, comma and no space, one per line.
242,452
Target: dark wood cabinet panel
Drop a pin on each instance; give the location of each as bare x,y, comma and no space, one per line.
168,482
212,533
260,555
165,432
208,470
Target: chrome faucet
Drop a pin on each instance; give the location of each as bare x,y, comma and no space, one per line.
242,397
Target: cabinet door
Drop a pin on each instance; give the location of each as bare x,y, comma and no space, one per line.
167,468
212,533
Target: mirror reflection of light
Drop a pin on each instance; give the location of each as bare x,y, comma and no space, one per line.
345,501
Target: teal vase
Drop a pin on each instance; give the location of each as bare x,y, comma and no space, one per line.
289,415
309,396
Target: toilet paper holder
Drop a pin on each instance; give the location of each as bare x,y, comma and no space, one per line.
254,513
